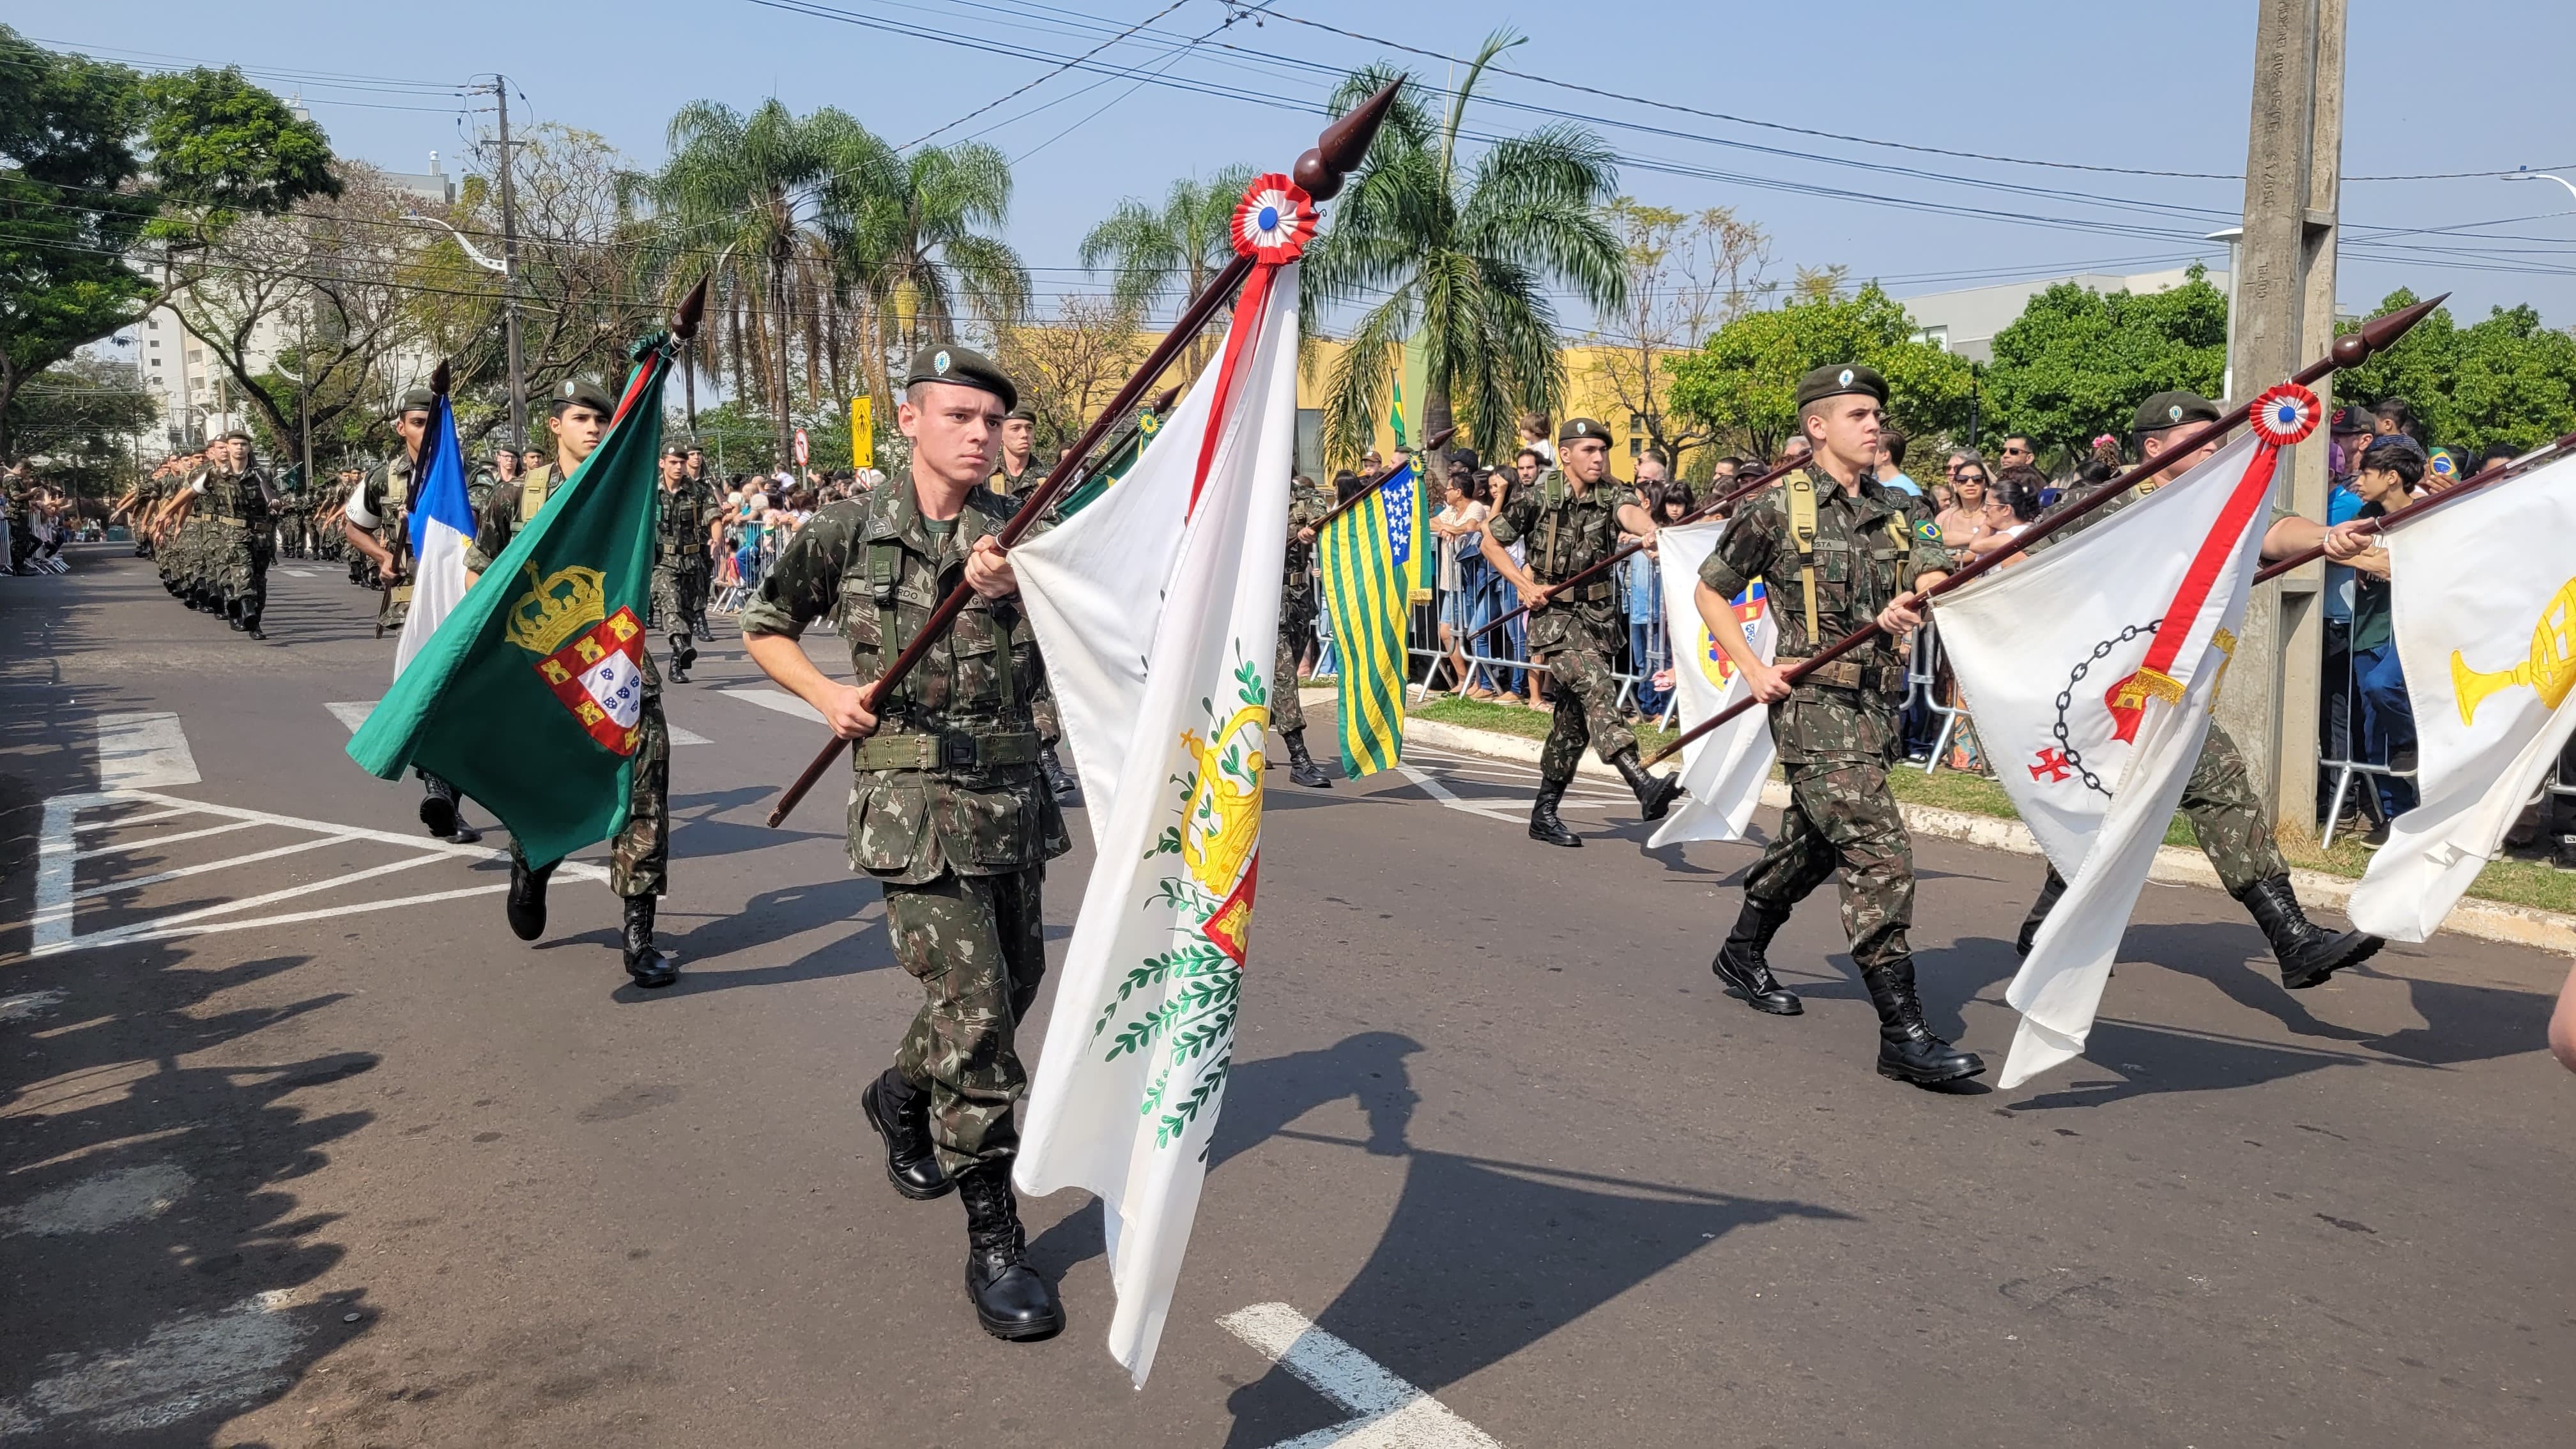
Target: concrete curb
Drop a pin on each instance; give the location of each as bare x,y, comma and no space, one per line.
2483,920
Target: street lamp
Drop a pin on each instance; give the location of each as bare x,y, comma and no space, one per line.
2541,176
2234,236
480,260
509,313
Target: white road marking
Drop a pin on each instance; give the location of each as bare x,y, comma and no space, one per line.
140,751
1431,785
353,713
1389,1413
57,861
777,699
188,870
187,1366
298,573
119,821
159,840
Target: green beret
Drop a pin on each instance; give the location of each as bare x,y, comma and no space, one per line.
1583,428
579,392
674,450
1840,378
2174,410
948,362
417,400
1021,415
235,433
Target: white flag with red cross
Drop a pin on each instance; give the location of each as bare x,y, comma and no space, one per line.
2090,670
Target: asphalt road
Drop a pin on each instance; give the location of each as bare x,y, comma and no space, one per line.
301,1147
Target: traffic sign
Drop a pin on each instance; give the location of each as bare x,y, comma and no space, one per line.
863,433
803,448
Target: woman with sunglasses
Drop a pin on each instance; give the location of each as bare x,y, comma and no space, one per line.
1975,513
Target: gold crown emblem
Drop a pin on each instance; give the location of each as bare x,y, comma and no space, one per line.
554,609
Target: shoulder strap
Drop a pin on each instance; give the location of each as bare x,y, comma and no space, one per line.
532,493
1801,493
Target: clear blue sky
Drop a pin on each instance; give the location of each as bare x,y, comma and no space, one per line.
2158,87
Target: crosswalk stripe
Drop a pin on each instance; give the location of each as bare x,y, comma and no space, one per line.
777,699
353,713
299,573
142,751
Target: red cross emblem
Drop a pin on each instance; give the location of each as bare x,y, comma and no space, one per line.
2052,765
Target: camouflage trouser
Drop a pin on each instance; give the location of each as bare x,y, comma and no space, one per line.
1296,627
1587,711
675,598
639,858
242,573
975,943
2235,831
1841,821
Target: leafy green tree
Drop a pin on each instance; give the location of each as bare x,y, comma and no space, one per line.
739,440
2506,379
1458,259
926,245
78,420
95,163
1172,252
2077,362
1743,381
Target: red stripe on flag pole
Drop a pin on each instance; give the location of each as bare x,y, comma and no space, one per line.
2127,699
1248,311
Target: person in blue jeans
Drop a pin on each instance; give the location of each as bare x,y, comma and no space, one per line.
2390,468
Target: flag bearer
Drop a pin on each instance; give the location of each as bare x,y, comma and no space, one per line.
1837,550
947,810
2226,814
639,859
1571,519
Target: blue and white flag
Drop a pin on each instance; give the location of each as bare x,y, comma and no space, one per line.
442,524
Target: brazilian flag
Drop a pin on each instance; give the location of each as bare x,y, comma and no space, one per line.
1367,558
528,698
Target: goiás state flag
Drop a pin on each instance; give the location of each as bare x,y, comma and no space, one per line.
529,696
2483,598
1158,611
1723,770
2091,670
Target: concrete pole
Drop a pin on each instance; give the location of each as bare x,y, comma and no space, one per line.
510,269
2284,317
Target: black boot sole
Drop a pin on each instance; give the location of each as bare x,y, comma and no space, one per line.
1569,841
2361,948
1660,803
1312,779
1896,1073
656,979
439,815
868,1109
1021,1332
1741,992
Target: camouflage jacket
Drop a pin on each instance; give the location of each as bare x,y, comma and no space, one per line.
240,498
384,506
1860,568
1307,504
950,781
1015,485
1566,534
680,528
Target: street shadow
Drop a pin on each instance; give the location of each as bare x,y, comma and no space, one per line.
161,1267
2234,959
775,916
2463,1023
2158,1060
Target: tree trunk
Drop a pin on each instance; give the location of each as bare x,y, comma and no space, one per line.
1435,416
786,426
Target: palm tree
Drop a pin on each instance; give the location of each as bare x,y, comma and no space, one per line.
923,246
771,201
1459,261
1178,248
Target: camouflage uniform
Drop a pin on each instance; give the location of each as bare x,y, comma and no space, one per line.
1308,502
1016,486
679,567
1837,732
946,807
383,508
241,540
1575,634
639,859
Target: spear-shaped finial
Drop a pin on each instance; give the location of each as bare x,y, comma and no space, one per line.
1338,152
439,378
693,307
2355,348
1162,406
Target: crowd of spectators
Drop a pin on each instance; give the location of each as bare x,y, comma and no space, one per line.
36,520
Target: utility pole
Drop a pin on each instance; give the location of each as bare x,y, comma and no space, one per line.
510,268
2283,315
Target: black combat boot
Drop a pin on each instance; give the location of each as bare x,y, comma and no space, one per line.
1051,771
2308,953
1907,1049
688,651
250,626
1010,1299
649,967
1544,826
900,1112
438,808
1301,766
2049,890
682,656
527,902
1655,793
232,612
1740,965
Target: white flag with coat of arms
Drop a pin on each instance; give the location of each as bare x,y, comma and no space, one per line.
1158,609
1723,770
2483,594
2090,670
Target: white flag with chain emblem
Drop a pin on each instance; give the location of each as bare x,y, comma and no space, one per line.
2484,597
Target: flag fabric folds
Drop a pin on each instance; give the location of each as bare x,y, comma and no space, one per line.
1366,557
1083,494
2483,593
2091,670
1724,770
1158,611
442,524
527,697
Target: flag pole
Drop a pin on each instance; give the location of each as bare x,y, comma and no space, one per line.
1744,488
1429,446
2350,350
2510,468
1337,152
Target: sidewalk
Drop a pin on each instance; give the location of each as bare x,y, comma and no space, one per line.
2485,920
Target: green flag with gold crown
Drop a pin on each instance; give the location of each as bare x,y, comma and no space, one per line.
528,698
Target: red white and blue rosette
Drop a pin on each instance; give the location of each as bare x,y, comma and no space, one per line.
2285,414
1274,221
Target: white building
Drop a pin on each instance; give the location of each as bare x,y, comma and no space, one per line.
1965,322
